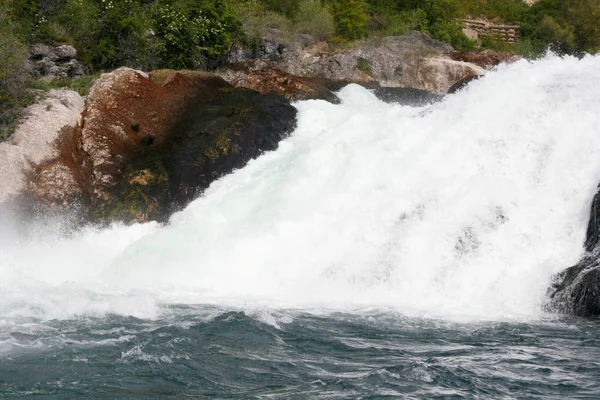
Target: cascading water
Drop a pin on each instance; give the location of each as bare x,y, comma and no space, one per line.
461,210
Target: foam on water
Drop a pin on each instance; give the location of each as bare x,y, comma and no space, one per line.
464,208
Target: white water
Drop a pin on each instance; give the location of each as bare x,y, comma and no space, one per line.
465,208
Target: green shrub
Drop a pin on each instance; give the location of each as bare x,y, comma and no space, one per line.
350,18
526,48
254,20
561,38
13,76
81,85
363,65
185,35
315,19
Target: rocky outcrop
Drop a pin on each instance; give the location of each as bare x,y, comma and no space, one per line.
50,62
394,61
486,59
440,74
407,96
150,143
264,77
577,289
413,60
273,45
34,140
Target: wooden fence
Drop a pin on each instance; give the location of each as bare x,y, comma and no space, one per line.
508,33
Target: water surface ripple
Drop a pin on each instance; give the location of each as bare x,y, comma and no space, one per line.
206,352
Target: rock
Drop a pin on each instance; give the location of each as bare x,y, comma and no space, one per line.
264,78
463,83
439,74
148,144
33,141
577,289
74,69
42,122
471,34
413,60
273,45
39,51
13,164
239,53
65,52
54,62
486,59
57,187
407,96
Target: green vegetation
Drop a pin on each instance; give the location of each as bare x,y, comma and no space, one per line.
81,85
13,77
195,34
363,65
151,34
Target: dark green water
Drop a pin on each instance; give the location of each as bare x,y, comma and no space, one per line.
206,352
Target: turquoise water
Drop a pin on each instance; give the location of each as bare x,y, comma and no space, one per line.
207,352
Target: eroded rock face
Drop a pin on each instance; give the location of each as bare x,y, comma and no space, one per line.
150,143
577,289
34,140
264,77
273,45
413,60
55,62
486,59
440,74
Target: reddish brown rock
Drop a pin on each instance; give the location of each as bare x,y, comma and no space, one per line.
486,59
150,143
128,111
263,77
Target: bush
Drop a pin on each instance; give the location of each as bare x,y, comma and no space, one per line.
13,76
561,38
315,19
350,18
409,20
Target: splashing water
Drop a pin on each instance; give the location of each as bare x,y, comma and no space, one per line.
461,209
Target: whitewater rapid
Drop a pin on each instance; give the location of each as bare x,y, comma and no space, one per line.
464,208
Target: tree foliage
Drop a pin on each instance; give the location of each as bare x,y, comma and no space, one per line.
150,34
13,76
350,18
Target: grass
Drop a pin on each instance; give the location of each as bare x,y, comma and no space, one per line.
363,65
81,85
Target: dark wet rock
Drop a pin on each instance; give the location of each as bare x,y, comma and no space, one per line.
463,83
407,96
577,289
